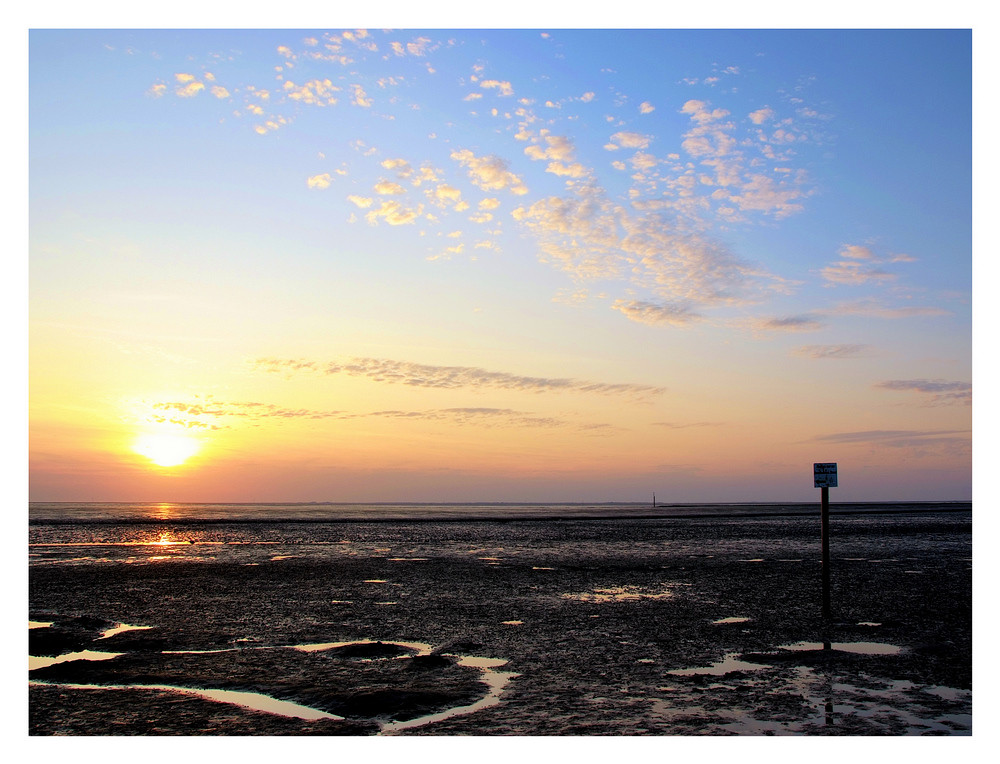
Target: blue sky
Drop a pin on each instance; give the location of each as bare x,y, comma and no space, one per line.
770,229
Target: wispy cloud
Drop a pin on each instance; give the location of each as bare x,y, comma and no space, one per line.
451,377
936,391
833,351
653,314
876,309
918,441
787,324
207,413
860,265
685,425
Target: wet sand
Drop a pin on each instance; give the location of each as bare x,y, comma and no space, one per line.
680,626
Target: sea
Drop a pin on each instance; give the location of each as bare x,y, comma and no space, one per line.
99,532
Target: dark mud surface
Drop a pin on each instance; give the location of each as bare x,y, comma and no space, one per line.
644,627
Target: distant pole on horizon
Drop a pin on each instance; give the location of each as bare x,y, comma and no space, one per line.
825,478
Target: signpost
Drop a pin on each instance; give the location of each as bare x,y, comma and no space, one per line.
825,478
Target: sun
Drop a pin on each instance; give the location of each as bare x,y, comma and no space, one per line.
166,449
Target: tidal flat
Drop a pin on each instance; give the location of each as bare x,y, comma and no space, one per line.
575,626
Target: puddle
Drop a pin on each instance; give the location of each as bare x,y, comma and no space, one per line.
619,594
120,628
859,648
727,665
539,567
254,701
513,623
872,706
496,681
732,619
39,624
41,661
420,648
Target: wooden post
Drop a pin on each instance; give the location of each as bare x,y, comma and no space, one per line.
825,542
825,478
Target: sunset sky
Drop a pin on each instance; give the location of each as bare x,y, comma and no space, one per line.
522,265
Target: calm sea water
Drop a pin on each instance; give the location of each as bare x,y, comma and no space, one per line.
98,533
151,512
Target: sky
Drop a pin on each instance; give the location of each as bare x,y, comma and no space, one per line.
499,264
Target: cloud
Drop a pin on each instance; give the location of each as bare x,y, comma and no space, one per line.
685,425
205,413
872,308
314,92
850,272
480,416
628,140
788,324
388,188
937,391
646,108
832,351
359,97
861,266
490,173
738,186
591,237
393,213
319,181
761,116
451,377
556,147
856,252
920,442
649,313
188,86
504,87
210,414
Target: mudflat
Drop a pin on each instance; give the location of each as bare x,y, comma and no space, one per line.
671,626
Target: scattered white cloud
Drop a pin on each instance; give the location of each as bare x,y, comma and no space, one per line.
490,173
388,188
319,181
393,213
361,201
628,140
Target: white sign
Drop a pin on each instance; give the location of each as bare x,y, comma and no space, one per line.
825,474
